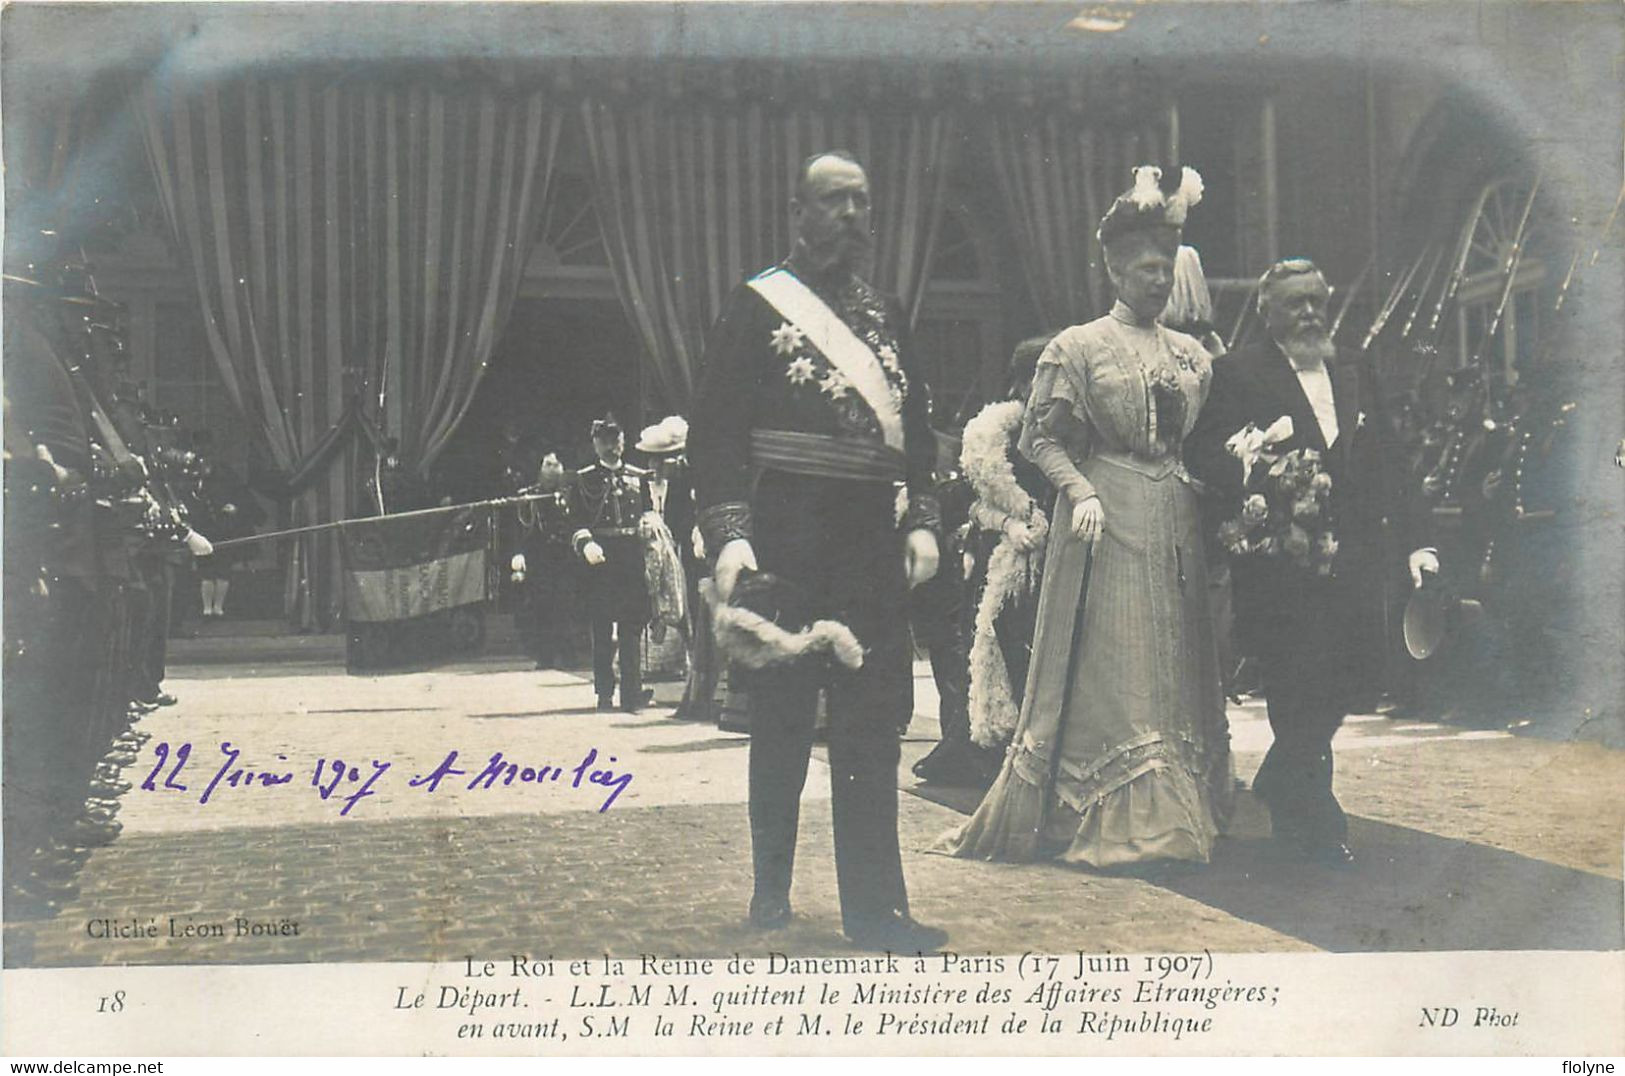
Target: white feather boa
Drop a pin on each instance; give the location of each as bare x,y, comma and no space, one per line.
1011,574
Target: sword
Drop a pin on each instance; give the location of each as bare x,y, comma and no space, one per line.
1348,300
1390,304
1422,294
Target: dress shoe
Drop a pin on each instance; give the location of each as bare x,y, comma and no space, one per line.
898,934
165,699
102,788
136,740
638,701
61,856
956,764
120,757
24,904
49,884
769,913
94,834
1337,855
100,811
606,703
47,863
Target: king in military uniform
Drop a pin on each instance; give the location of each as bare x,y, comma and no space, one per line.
810,418
607,501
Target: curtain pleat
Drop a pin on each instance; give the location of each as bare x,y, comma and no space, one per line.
1057,175
341,232
694,196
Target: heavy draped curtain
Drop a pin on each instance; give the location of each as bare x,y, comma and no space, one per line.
694,196
1058,172
342,235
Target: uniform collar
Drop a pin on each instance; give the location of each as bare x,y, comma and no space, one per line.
831,285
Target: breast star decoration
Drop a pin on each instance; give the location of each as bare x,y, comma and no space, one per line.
865,315
836,384
787,339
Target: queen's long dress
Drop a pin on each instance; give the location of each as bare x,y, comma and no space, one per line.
1122,752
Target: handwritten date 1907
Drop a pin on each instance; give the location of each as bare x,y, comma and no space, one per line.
352,783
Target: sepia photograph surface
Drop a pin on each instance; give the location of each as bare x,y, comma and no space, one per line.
790,528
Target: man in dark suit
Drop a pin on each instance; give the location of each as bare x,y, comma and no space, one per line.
607,500
1304,627
544,560
811,411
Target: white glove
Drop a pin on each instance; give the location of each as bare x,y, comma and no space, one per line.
517,564
593,554
698,541
921,557
967,565
199,545
1423,560
735,557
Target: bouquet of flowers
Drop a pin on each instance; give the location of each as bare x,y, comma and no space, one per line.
1283,501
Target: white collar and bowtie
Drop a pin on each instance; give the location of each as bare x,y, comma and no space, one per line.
1316,382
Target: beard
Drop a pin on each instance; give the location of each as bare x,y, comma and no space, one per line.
844,250
1309,346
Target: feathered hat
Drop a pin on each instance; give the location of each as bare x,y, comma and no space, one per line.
1158,201
767,621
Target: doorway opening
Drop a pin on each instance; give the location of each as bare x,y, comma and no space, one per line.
560,364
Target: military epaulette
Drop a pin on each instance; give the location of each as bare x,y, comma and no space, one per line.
589,469
638,472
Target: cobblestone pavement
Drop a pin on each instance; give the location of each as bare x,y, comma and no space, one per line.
1469,839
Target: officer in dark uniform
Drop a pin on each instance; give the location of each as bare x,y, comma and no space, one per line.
61,699
810,415
544,565
52,612
607,501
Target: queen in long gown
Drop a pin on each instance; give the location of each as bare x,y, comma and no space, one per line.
1121,753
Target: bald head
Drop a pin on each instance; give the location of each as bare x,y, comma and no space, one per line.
831,212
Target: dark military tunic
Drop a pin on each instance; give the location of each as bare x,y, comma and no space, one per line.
606,505
829,523
550,593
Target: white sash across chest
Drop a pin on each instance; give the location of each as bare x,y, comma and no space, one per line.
802,308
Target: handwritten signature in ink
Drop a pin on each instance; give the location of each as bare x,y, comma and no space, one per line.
353,782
